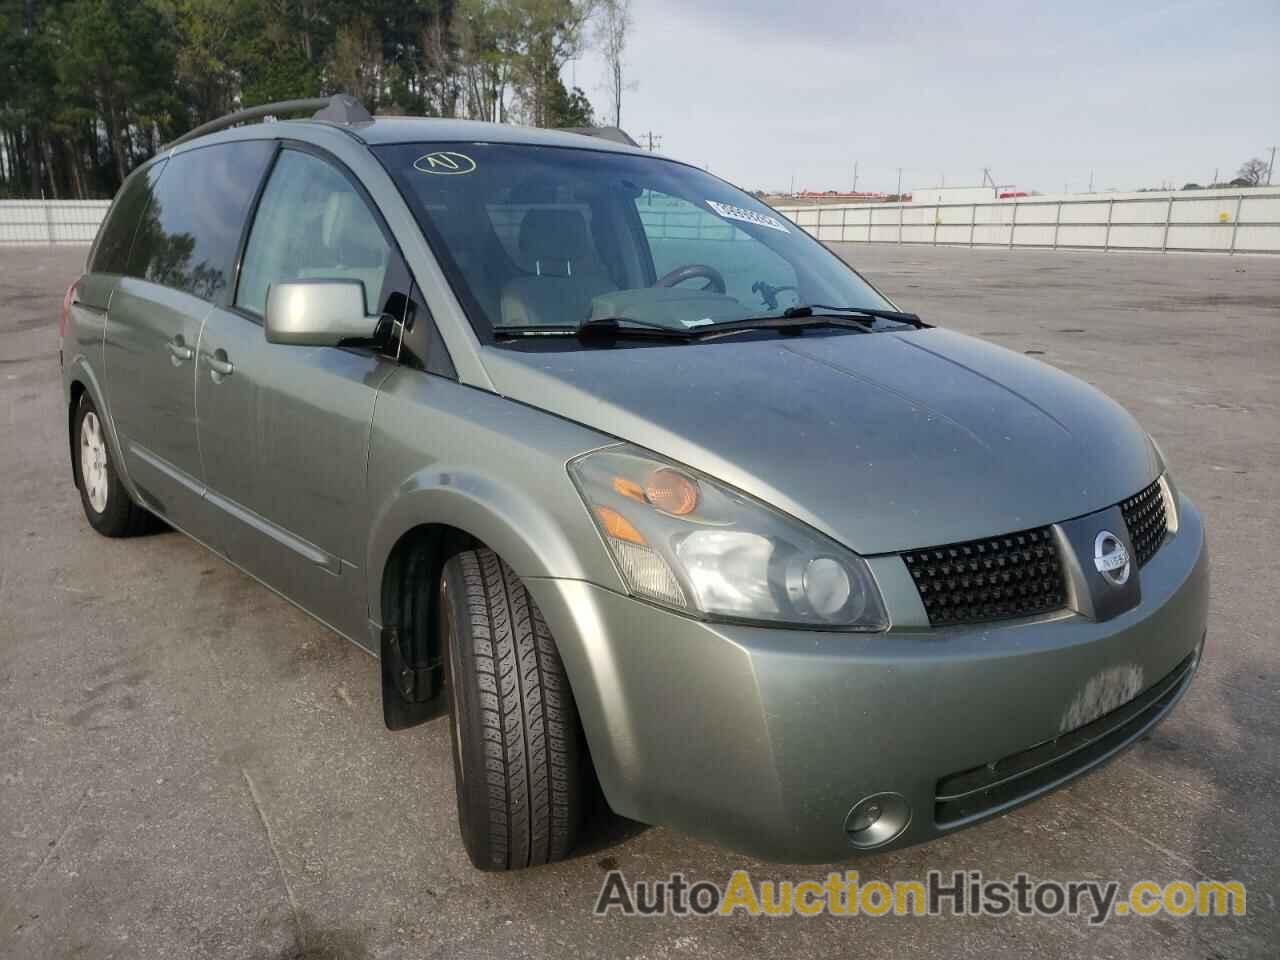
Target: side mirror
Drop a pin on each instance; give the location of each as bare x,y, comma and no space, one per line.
317,313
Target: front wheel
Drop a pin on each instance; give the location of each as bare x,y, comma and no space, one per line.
517,742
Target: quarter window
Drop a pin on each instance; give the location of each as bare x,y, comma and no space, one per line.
189,235
111,252
312,224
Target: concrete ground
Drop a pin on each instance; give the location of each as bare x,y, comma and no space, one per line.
189,767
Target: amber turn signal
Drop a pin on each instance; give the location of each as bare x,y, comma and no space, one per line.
619,527
629,489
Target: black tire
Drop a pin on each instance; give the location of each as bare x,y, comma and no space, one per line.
119,516
517,741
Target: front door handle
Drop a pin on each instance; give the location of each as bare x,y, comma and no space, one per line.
219,366
178,351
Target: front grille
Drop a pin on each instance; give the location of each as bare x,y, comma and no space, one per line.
1018,575
984,790
1145,517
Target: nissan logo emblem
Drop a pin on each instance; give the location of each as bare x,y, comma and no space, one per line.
1111,559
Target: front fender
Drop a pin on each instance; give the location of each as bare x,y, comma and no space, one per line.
443,453
506,519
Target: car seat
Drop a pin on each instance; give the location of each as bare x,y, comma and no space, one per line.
562,271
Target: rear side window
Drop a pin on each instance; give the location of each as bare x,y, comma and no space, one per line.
111,250
312,224
190,234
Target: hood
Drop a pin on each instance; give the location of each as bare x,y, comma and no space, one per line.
885,442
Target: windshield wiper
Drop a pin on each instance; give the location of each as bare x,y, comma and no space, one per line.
791,320
600,329
783,324
807,316
815,309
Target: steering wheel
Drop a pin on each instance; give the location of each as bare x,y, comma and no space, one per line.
691,271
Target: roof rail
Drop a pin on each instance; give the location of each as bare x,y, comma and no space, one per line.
339,108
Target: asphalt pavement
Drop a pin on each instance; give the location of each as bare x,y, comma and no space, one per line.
191,767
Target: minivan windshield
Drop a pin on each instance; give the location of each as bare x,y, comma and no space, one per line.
552,237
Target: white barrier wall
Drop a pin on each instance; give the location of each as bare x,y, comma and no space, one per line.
50,221
1213,221
1218,221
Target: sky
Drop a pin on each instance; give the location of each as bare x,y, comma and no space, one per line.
1047,95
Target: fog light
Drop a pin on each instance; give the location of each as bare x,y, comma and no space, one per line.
865,816
877,819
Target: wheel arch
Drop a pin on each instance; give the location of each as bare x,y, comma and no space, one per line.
416,559
81,381
495,514
433,516
76,390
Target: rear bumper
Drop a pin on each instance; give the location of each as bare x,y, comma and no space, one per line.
765,739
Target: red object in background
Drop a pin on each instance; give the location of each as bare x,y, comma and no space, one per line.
836,195
1014,193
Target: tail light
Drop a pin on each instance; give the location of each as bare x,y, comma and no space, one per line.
67,300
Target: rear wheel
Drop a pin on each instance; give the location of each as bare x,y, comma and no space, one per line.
107,504
517,743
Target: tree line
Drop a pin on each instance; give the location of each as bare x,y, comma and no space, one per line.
91,88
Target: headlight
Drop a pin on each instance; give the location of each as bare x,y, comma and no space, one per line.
1167,490
1170,503
701,547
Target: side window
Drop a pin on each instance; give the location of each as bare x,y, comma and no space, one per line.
680,233
312,224
190,234
111,249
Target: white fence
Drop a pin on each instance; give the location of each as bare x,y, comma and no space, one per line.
1211,221
1217,221
50,221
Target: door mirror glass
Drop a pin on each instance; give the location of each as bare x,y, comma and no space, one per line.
317,313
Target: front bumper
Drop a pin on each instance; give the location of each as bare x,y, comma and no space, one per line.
764,739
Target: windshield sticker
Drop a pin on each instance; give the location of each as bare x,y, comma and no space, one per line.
730,212
444,163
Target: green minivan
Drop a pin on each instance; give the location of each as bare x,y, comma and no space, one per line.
631,478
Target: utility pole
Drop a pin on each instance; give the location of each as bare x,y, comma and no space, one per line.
1271,166
654,140
899,184
1091,181
855,173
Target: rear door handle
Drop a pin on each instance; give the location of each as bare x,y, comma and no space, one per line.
179,351
219,366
